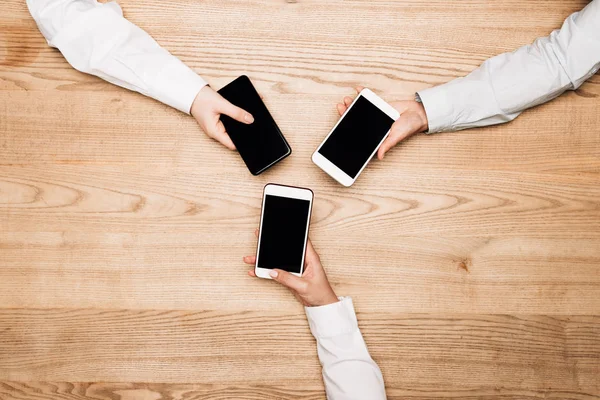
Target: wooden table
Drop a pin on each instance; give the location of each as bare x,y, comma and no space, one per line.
473,258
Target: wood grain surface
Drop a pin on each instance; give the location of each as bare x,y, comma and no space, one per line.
473,258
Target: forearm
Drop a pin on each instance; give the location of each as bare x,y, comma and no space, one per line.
96,39
507,84
349,372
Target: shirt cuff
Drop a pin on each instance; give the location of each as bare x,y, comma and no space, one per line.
439,108
177,86
333,319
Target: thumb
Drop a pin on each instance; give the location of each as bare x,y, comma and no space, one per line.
236,113
399,131
288,280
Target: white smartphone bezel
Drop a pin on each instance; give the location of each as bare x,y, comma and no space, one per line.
333,170
292,193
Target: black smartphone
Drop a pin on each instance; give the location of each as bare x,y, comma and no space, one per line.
260,144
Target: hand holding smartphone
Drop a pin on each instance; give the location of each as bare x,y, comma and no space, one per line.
260,144
354,140
283,234
312,289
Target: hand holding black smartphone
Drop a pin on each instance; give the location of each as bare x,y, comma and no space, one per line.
260,144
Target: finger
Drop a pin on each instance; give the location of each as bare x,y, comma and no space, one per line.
236,113
348,101
359,89
251,260
341,109
261,96
221,136
399,132
288,280
256,232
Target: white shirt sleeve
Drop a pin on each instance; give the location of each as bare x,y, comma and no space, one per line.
505,85
96,39
349,371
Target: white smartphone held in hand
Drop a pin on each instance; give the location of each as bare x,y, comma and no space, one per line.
354,140
283,234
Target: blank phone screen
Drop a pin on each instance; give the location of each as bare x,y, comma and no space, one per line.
260,144
356,137
283,233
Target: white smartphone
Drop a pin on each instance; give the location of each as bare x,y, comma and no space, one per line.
283,234
354,140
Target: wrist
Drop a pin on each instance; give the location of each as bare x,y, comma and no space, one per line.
197,103
326,300
420,110
195,106
422,117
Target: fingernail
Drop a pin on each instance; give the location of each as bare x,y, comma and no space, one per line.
249,118
273,274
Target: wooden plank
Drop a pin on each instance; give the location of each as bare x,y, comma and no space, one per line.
415,352
193,269
128,129
425,202
152,391
403,52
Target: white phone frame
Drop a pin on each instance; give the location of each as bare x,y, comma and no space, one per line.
329,167
289,192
